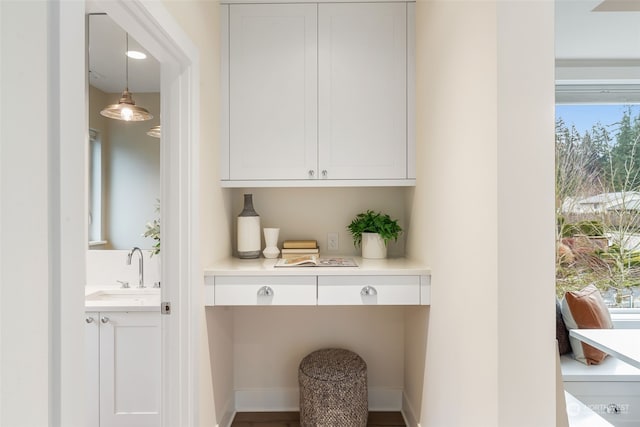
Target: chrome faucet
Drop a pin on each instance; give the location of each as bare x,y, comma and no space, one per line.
140,265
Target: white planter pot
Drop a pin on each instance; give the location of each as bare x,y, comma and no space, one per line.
373,246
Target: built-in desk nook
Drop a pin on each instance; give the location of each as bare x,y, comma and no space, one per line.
272,317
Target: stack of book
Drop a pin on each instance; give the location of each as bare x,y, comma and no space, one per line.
295,248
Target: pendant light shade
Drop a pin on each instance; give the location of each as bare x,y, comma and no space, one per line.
155,132
126,109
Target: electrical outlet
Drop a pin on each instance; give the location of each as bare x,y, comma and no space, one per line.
332,241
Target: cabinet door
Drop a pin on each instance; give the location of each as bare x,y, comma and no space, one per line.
130,386
362,62
92,369
272,91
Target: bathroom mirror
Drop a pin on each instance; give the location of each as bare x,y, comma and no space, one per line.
124,175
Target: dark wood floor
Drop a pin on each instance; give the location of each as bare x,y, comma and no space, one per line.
292,419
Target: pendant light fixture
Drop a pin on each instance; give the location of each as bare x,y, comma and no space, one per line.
126,109
155,131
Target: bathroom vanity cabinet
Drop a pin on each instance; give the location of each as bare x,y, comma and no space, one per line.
123,368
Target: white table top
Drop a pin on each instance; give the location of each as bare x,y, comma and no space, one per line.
623,344
261,266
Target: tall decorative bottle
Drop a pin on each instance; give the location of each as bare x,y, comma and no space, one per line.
248,230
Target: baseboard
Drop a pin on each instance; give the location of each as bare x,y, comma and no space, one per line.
287,399
227,419
267,399
228,414
408,412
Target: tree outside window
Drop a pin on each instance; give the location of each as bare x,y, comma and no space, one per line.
598,207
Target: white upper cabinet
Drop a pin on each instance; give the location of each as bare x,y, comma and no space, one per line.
273,91
317,94
362,90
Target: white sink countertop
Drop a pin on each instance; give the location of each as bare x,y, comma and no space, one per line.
366,267
116,298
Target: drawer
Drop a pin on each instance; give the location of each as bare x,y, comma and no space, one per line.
265,290
616,401
368,290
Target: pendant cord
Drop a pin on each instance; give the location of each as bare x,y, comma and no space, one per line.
126,53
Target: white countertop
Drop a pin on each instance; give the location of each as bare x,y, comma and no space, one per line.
123,299
262,266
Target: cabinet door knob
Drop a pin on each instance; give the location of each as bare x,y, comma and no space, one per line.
265,291
104,319
368,291
324,173
89,319
311,173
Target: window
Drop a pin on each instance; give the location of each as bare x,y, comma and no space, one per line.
95,188
598,196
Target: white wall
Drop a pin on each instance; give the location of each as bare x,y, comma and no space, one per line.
24,168
133,175
485,174
311,213
42,223
270,342
106,268
199,20
131,170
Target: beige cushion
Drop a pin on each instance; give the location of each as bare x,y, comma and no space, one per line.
585,309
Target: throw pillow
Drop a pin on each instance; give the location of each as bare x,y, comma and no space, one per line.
585,309
562,334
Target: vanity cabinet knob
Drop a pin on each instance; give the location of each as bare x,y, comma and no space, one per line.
324,173
265,291
89,319
368,291
104,319
311,173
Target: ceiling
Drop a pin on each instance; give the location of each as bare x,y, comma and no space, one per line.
582,33
107,59
595,40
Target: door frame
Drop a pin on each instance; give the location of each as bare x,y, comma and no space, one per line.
156,29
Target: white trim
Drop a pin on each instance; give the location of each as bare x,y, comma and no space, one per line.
320,183
408,412
155,28
312,1
287,399
224,93
68,201
228,414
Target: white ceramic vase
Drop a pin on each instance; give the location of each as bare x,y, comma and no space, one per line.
271,242
373,246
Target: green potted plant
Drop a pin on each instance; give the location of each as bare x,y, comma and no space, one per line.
152,229
372,231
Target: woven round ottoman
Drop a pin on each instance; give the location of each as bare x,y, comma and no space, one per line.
333,389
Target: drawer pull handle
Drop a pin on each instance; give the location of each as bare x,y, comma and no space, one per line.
368,291
265,291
